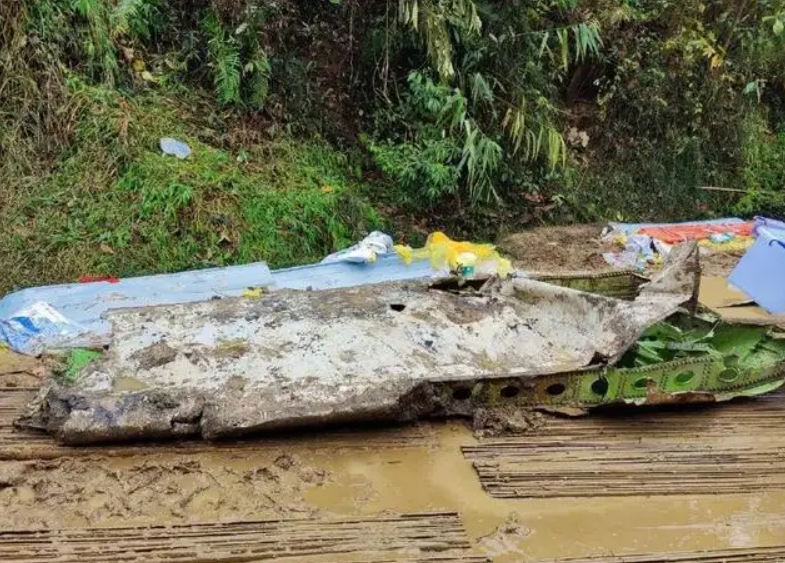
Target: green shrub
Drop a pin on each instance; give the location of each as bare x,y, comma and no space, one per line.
424,171
762,173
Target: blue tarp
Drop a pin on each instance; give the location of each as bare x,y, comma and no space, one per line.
85,303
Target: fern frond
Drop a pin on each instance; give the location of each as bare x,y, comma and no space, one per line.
432,19
480,89
123,13
481,158
97,41
563,38
587,39
258,72
227,74
438,42
86,8
556,148
224,59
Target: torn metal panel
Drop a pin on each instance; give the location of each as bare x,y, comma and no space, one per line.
85,303
293,358
333,275
621,284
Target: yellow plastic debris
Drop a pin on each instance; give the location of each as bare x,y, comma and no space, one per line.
442,251
253,292
737,244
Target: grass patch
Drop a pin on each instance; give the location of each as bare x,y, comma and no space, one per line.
114,205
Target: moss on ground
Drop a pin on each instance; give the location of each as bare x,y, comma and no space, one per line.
114,205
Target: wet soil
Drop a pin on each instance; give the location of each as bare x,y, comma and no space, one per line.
20,371
557,249
507,538
308,477
580,248
720,263
21,379
505,420
140,490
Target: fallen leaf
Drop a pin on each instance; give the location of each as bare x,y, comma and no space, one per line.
327,189
148,77
139,65
106,249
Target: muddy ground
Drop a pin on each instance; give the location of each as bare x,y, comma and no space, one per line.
580,247
310,478
372,473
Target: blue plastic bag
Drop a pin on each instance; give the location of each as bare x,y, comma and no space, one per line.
173,147
32,329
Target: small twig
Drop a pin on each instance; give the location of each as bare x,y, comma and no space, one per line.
351,41
718,189
386,67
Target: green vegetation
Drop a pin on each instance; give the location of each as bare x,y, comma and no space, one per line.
117,206
70,368
681,337
313,122
695,98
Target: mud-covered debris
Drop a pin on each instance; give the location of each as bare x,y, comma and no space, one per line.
352,354
159,354
11,474
284,461
507,539
505,420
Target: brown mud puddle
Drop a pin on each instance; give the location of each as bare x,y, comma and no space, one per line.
352,475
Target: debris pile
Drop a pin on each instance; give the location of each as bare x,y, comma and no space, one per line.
461,336
646,245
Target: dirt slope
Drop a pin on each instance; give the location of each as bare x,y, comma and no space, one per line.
579,247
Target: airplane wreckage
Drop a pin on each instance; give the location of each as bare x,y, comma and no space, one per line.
408,349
